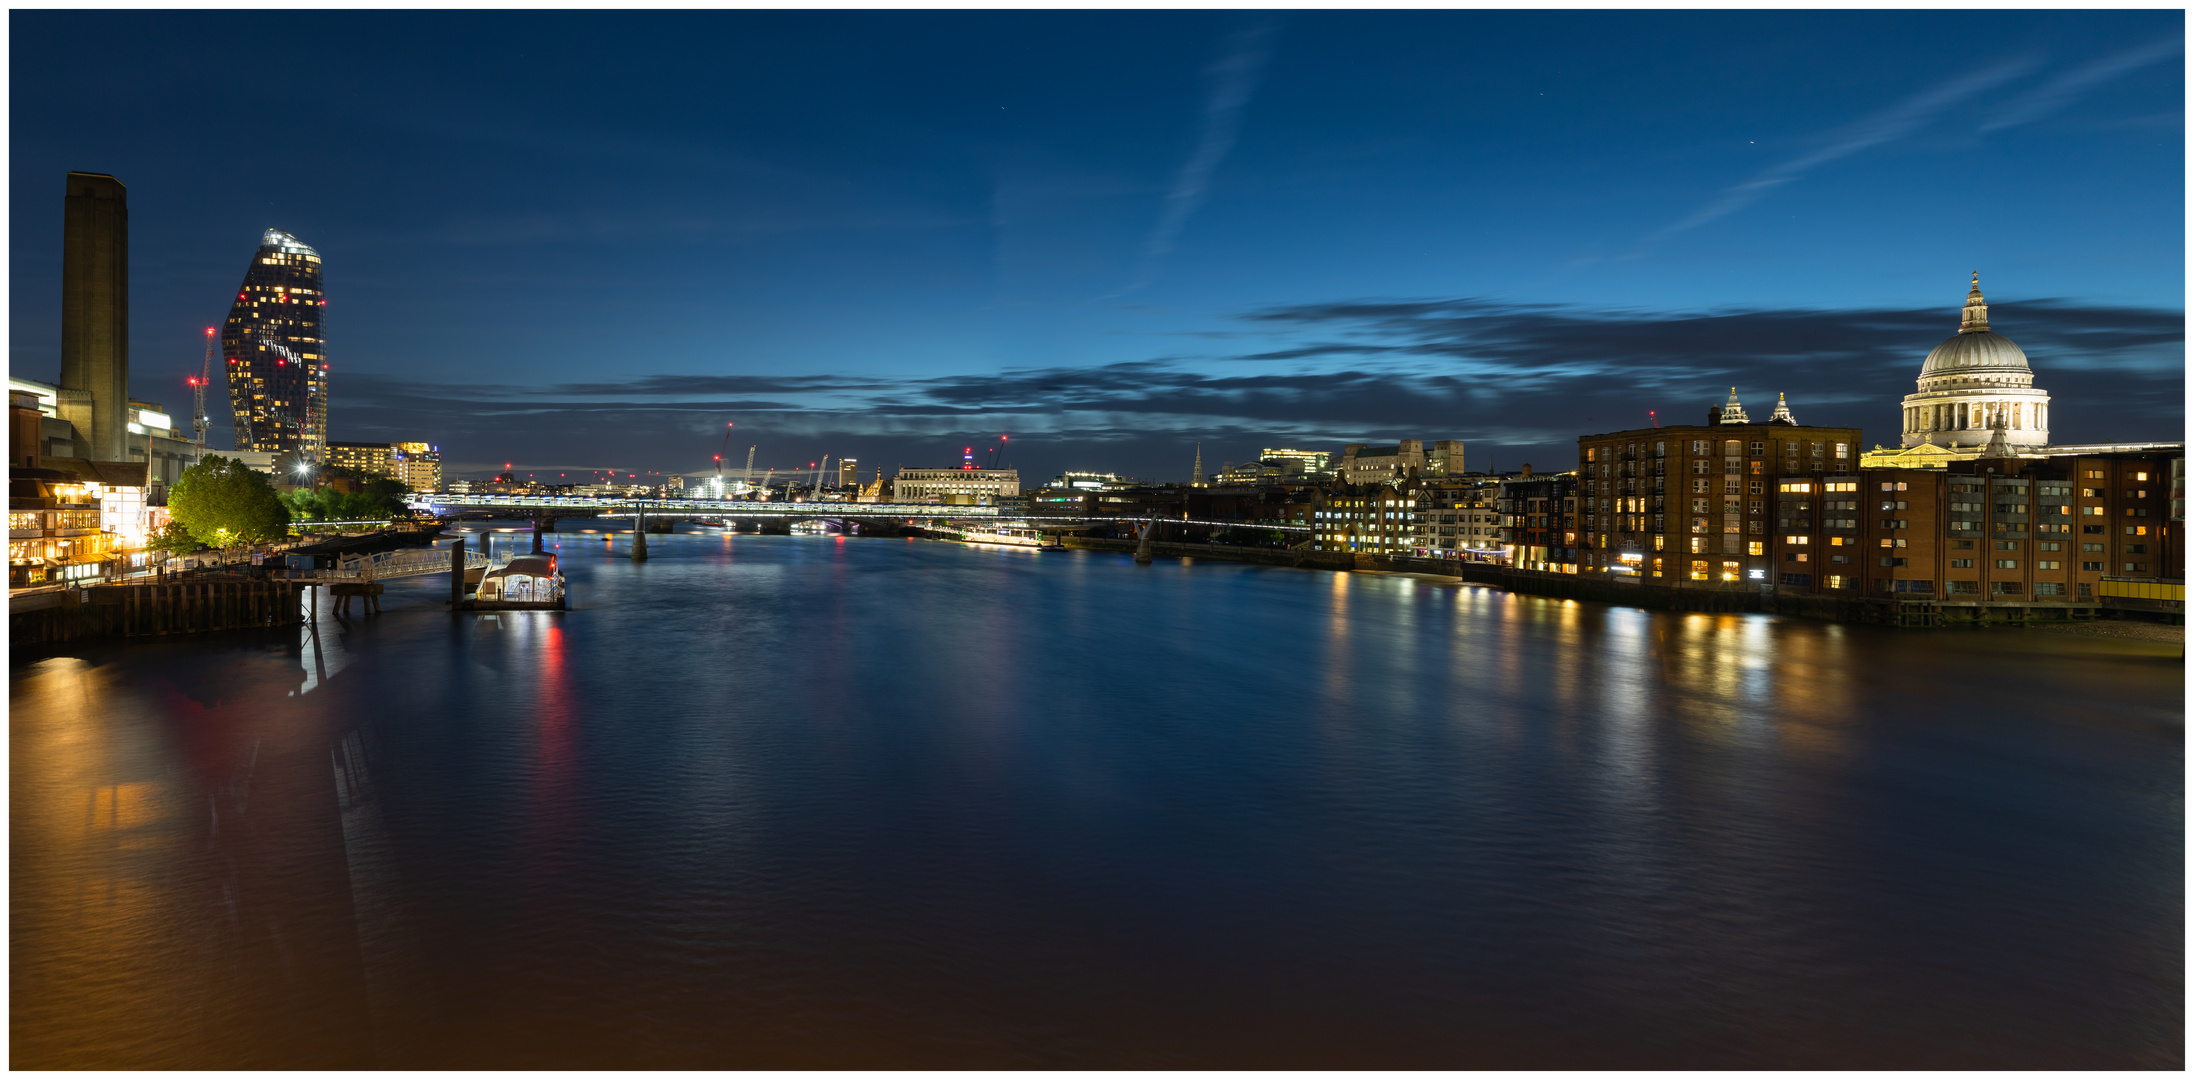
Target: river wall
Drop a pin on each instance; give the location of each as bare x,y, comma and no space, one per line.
147,610
1633,592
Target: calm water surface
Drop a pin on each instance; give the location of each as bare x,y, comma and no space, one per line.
783,801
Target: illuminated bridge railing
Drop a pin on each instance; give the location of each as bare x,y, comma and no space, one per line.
698,507
521,506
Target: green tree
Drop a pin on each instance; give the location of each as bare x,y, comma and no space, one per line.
172,539
381,498
305,504
222,503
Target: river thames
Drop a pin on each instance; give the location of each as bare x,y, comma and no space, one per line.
811,801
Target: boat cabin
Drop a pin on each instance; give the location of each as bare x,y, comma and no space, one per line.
526,579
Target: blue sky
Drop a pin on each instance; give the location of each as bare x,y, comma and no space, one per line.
583,240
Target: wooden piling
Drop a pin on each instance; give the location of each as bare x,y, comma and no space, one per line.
457,572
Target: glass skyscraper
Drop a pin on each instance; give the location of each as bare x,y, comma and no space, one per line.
276,352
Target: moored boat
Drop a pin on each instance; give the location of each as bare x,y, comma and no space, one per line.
1013,536
525,583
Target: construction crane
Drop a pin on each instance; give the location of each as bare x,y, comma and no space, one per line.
818,496
747,477
198,418
721,451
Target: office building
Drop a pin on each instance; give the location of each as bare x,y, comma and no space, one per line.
275,351
849,473
1372,519
1363,464
363,458
1311,464
417,466
964,486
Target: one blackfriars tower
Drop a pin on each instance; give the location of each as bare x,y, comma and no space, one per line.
276,351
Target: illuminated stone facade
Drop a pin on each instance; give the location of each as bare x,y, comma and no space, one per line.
955,487
1974,383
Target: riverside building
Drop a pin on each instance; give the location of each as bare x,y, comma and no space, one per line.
1374,519
964,486
1694,503
1539,518
2038,530
275,350
1461,518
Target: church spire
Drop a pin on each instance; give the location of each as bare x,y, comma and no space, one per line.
1733,413
1976,310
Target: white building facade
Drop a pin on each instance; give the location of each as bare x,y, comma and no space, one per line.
955,487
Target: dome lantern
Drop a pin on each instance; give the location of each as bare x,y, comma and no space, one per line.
1975,320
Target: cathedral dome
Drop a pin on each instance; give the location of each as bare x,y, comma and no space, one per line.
1977,352
1975,386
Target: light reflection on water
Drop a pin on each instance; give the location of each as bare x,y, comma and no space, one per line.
814,801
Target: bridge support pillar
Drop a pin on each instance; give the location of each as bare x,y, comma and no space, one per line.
640,537
457,572
537,536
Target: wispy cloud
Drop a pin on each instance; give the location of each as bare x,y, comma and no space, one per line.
1888,125
1229,84
2062,90
1525,378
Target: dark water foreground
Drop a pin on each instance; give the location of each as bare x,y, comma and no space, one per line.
802,801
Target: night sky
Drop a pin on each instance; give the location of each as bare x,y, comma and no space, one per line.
578,240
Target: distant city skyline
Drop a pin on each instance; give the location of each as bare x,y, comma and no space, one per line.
581,240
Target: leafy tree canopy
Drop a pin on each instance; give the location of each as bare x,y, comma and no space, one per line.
377,499
172,538
222,503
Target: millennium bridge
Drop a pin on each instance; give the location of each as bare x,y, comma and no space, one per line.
546,509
